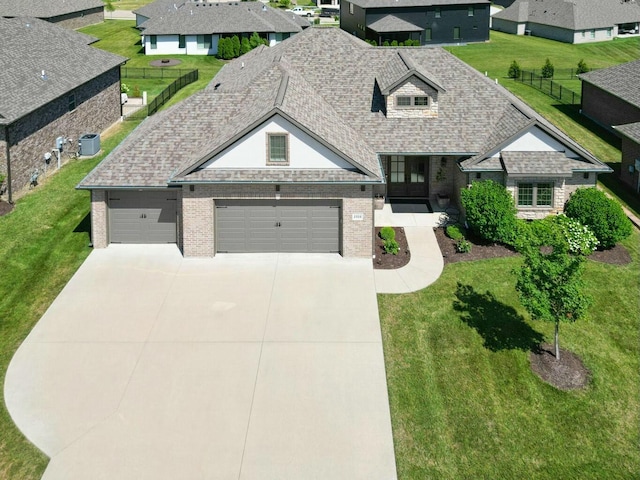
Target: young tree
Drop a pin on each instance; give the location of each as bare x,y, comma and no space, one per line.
514,70
108,6
582,67
551,287
235,46
547,69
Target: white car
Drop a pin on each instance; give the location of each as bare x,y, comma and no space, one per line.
302,11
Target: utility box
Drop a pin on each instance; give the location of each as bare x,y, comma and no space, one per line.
89,144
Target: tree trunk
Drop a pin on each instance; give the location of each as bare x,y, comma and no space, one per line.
557,343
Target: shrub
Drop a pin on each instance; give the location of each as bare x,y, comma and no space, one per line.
387,233
603,215
490,211
463,246
454,232
514,70
255,40
547,69
124,88
385,43
394,43
235,46
391,246
316,21
245,46
579,238
582,67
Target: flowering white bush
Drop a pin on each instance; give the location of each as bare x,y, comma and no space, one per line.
579,237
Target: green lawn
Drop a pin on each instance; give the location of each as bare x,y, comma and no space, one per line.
129,4
42,243
121,37
464,402
495,56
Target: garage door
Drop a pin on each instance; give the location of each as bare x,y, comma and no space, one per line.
278,226
142,217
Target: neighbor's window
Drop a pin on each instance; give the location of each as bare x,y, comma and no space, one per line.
609,31
427,34
182,41
72,102
204,42
278,148
592,34
535,194
470,11
351,8
438,12
153,41
456,33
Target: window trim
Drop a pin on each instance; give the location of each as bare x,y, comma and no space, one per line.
351,8
438,12
204,45
457,33
535,186
470,11
286,160
182,41
153,42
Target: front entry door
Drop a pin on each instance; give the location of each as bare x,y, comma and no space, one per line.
407,176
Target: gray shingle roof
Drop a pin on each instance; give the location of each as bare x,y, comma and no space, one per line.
208,18
572,14
394,23
45,8
622,80
414,3
541,164
291,79
630,130
31,46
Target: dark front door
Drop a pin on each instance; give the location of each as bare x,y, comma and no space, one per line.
407,176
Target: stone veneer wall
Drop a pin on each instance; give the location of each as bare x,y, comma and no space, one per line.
198,213
81,19
413,87
97,107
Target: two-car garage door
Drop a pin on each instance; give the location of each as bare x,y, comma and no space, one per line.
277,226
142,216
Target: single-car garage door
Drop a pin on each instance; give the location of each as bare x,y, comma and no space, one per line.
142,217
277,226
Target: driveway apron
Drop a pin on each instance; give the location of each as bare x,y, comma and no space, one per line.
152,366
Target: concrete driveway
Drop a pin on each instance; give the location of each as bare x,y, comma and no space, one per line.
152,366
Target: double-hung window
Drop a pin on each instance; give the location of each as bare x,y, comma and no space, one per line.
535,194
153,42
277,149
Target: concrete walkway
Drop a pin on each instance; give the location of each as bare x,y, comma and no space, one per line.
426,263
150,366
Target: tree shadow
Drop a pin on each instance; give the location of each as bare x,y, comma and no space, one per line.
500,326
84,226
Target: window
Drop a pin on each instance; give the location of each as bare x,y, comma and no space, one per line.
204,42
407,102
427,34
469,11
592,33
153,41
277,149
351,8
535,194
438,12
609,32
584,34
397,169
182,42
421,101
456,33
72,102
403,101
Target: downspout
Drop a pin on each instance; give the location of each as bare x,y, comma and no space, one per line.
8,152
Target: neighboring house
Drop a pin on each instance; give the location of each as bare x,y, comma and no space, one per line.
329,4
266,158
570,21
194,28
431,22
66,13
54,85
611,97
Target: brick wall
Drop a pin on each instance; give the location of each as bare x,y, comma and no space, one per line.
413,87
81,19
3,157
630,151
198,213
99,219
442,176
607,109
97,107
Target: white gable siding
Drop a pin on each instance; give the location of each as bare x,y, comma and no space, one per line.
304,151
535,140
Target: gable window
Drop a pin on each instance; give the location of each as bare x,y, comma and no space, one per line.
72,102
407,101
456,33
535,194
438,12
277,149
182,42
470,11
204,42
421,101
153,42
403,101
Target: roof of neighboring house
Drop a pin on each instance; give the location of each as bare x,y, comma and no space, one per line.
572,14
400,22
414,3
622,81
474,114
192,18
31,46
45,8
630,130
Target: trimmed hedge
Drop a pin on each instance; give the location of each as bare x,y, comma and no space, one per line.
490,211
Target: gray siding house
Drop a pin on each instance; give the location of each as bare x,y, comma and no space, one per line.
266,158
67,13
57,86
570,21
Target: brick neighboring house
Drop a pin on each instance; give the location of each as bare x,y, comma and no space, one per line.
266,158
570,21
54,85
70,14
611,97
194,28
431,22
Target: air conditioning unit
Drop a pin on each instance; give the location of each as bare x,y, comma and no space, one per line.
89,144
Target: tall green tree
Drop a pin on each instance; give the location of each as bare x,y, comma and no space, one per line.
550,286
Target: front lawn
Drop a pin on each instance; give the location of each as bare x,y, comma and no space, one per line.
43,241
464,401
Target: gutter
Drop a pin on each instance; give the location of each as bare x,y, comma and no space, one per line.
8,153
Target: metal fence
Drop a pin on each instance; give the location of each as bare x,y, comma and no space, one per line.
549,87
144,72
164,96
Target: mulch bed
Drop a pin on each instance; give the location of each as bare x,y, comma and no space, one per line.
568,373
5,208
386,261
617,255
